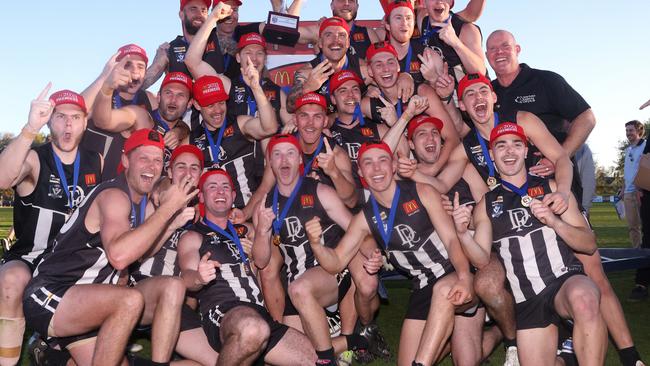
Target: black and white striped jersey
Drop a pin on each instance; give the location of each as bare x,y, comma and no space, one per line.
350,139
414,247
39,215
294,245
78,256
234,283
236,156
531,252
163,263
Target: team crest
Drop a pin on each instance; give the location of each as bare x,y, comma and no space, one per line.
240,92
411,207
497,207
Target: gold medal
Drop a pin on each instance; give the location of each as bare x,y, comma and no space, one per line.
526,200
276,240
491,182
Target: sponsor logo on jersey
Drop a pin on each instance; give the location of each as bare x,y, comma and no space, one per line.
410,207
536,191
210,47
359,37
365,131
415,66
307,200
242,230
525,99
229,131
90,179
271,95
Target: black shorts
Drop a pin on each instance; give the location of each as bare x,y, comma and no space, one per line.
9,256
40,301
344,280
211,325
539,311
190,319
420,302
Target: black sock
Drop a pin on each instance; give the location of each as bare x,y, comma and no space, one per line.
355,341
326,357
416,363
509,342
159,363
628,356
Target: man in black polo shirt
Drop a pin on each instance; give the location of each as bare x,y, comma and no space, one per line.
547,95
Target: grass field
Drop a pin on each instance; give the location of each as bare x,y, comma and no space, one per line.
610,231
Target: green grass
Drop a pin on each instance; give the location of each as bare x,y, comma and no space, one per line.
610,232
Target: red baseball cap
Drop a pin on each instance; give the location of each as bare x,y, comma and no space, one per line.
142,137
379,47
311,98
208,89
341,77
189,149
397,4
68,97
507,128
280,138
211,172
471,79
132,49
333,22
249,39
179,78
365,147
418,121
237,2
208,3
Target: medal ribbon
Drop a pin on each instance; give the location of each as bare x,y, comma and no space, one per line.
143,208
521,191
215,148
385,234
64,180
156,117
231,234
484,148
409,56
307,168
277,223
118,100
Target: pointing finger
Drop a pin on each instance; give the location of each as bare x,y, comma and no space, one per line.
328,148
456,200
43,94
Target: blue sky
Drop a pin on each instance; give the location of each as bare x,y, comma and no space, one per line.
600,47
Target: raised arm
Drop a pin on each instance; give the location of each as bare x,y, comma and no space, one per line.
90,93
194,55
263,221
16,160
266,124
157,67
472,11
336,164
467,46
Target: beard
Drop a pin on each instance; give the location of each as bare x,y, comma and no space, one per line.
189,27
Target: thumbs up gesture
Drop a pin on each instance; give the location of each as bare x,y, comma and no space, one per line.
207,269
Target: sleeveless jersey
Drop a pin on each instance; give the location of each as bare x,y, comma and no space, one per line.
161,127
350,139
234,284
430,38
240,94
464,193
531,252
352,64
414,247
236,156
110,144
39,216
179,46
414,66
294,245
77,255
163,263
359,41
476,156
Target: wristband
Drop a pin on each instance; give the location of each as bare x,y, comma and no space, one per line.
447,99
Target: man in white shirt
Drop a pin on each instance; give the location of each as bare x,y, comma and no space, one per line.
634,131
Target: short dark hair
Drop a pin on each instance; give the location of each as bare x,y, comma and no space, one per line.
640,128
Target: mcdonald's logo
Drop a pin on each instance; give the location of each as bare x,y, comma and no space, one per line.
282,78
230,130
241,230
410,207
210,47
365,131
359,37
536,191
270,95
415,66
307,200
91,179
